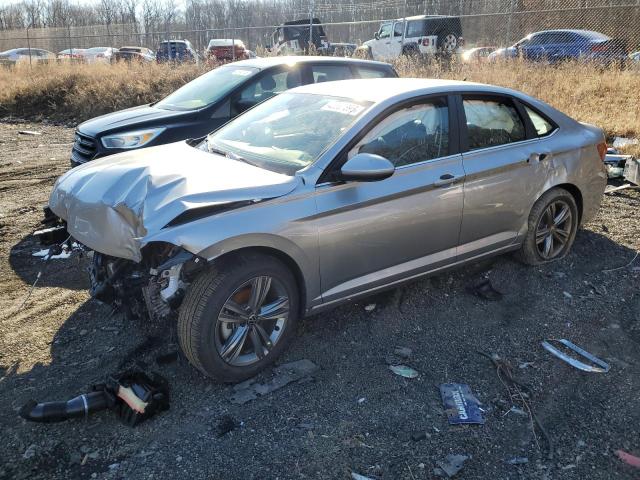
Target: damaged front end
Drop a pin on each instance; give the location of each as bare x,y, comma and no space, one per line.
153,287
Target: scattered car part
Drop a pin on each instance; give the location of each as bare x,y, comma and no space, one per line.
485,291
627,186
134,396
404,371
602,367
283,375
460,405
451,465
616,164
29,132
631,171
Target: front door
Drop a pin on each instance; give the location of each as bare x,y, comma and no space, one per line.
376,233
379,46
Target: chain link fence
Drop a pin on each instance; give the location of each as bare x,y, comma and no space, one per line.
495,23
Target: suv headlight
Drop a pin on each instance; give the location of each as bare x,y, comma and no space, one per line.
135,139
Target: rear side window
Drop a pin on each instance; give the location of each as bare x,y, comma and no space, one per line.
492,122
415,28
365,72
541,125
330,73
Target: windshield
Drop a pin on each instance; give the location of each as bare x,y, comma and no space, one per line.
288,132
207,88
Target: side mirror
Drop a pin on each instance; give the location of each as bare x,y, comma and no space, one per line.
367,167
376,36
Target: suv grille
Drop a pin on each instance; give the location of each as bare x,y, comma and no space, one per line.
84,148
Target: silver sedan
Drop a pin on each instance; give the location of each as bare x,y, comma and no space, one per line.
323,194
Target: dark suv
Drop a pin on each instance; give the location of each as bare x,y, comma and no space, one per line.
211,100
176,51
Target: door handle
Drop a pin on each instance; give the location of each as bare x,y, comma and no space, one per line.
446,179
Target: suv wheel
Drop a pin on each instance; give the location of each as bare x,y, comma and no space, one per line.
237,319
447,42
552,227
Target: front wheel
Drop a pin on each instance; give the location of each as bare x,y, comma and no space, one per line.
552,227
238,318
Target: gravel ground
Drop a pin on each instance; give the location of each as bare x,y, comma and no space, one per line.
354,414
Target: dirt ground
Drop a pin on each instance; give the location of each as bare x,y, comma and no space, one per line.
354,415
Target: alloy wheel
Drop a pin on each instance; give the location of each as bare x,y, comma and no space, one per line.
554,229
450,43
251,321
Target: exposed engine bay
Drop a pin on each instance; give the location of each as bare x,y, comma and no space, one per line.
153,287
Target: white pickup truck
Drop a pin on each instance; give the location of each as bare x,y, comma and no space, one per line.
419,35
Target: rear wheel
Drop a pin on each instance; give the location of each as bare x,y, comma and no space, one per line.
552,227
238,318
447,42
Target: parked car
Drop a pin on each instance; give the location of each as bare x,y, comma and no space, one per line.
99,54
324,194
71,55
210,101
292,38
555,46
419,35
222,50
24,55
477,54
134,54
635,59
180,51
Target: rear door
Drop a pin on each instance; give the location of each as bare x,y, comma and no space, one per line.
375,233
505,167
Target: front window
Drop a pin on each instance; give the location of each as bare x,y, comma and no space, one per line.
287,133
207,88
385,31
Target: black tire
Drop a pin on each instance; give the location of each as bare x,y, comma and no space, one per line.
529,252
198,316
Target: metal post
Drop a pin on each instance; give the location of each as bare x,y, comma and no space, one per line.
29,46
310,28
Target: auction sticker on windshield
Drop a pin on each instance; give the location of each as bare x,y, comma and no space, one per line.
346,108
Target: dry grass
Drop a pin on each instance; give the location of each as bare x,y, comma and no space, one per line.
72,93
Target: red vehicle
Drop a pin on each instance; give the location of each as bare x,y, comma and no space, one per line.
222,50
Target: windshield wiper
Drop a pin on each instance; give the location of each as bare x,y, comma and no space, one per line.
226,153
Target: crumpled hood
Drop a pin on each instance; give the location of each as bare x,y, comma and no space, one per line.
112,204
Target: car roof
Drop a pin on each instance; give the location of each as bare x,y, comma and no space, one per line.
586,33
267,62
380,89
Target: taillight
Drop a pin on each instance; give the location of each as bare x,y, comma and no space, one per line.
599,47
425,41
602,150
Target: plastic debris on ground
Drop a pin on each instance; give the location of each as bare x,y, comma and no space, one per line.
283,375
517,461
485,291
357,476
460,405
134,396
29,132
602,367
370,308
628,458
450,466
43,253
404,371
